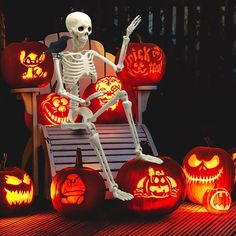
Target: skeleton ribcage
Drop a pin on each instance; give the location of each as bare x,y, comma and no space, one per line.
75,65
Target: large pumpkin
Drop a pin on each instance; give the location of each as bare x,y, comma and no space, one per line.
157,189
77,191
112,85
24,64
217,200
16,189
206,168
144,64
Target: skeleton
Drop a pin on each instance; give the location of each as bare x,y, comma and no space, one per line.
79,62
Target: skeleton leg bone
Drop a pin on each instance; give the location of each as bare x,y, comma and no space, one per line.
96,144
127,107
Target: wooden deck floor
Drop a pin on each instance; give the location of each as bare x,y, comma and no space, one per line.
113,220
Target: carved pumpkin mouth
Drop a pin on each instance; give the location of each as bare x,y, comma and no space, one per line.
55,120
19,197
218,201
74,192
202,179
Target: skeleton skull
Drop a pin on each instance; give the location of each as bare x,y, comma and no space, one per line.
80,27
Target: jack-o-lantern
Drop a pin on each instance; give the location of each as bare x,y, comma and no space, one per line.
217,200
111,85
16,189
144,64
206,168
157,189
52,109
77,191
24,64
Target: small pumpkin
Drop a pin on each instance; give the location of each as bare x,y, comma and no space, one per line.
77,191
144,64
217,200
206,168
157,189
24,64
16,189
111,85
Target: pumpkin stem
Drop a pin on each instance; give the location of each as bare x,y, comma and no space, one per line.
139,38
78,159
208,141
3,161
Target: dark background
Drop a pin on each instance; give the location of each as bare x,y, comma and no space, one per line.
196,98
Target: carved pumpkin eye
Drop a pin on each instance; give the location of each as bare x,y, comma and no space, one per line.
56,102
163,180
193,161
215,160
13,180
26,179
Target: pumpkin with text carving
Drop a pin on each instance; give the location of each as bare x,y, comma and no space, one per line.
24,64
157,188
111,85
16,190
206,168
217,200
77,191
144,64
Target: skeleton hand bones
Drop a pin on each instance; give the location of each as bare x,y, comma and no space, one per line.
135,22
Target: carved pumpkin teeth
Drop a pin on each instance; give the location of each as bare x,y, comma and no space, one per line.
202,179
19,197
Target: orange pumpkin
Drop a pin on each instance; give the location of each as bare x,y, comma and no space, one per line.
112,85
16,189
206,168
144,64
217,200
157,189
77,191
24,64
232,152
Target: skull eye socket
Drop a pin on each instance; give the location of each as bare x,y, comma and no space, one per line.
215,160
81,28
193,161
89,29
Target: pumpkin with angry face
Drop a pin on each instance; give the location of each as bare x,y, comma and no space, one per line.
16,190
206,168
157,189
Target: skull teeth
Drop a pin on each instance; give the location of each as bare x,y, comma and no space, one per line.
200,179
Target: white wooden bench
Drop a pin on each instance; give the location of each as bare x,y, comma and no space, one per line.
60,145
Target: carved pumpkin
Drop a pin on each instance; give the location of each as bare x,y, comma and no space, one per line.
206,168
217,200
77,191
112,85
52,109
24,64
157,189
16,189
144,64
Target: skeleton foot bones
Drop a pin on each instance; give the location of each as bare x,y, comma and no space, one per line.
70,67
